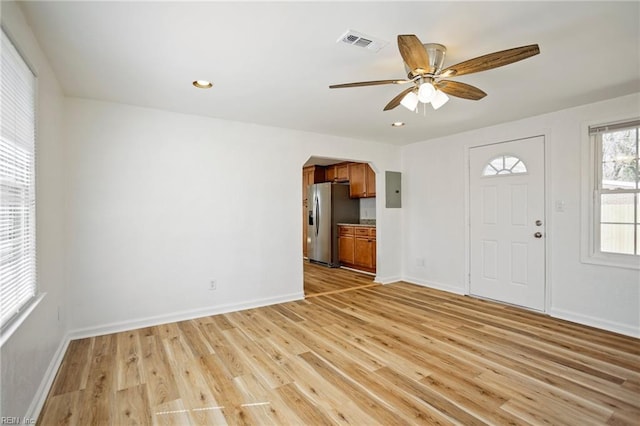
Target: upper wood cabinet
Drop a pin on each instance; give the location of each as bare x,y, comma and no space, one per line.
362,181
337,172
370,181
342,172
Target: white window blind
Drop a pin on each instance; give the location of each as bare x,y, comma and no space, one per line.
17,184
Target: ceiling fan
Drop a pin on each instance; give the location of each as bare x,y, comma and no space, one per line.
423,63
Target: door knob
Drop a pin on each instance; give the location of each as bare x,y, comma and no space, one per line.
538,223
538,235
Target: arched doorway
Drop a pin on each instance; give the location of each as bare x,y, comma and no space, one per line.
353,244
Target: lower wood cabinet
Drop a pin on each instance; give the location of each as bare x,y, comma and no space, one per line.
346,244
357,247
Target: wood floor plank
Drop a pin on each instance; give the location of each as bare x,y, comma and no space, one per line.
159,377
361,354
358,394
171,413
298,403
63,409
97,406
224,391
264,403
232,362
132,407
256,360
194,338
335,402
558,404
430,396
128,364
74,370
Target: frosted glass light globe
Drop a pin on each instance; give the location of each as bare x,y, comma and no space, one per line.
426,92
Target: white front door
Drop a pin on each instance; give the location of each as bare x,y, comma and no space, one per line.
507,223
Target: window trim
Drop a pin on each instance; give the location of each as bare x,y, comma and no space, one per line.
590,218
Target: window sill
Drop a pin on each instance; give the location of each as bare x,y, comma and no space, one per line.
616,261
16,322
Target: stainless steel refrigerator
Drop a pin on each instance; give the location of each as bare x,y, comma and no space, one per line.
329,204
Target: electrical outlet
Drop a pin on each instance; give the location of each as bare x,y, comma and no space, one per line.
213,284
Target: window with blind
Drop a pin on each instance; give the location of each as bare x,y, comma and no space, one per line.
17,184
616,192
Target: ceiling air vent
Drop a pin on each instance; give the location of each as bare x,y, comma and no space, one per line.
355,38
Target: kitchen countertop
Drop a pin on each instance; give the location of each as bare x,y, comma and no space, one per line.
369,225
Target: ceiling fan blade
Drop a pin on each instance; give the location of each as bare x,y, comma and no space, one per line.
396,101
460,90
492,60
413,52
368,83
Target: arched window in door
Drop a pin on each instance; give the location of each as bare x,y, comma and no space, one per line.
504,165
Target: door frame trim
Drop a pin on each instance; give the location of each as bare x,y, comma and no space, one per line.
547,211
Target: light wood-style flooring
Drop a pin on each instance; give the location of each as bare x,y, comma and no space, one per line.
320,280
398,354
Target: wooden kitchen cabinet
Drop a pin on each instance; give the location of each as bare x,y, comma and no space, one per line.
370,181
342,172
330,173
356,180
337,172
346,241
364,252
374,248
362,181
357,246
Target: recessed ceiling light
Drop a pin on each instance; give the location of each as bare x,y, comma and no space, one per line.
398,124
202,84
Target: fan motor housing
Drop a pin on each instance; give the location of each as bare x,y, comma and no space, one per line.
436,53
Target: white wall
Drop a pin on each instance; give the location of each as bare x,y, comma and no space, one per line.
434,216
29,358
161,203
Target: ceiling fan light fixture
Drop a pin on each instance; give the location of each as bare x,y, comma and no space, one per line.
426,92
410,101
439,99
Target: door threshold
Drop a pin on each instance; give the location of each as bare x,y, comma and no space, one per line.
342,290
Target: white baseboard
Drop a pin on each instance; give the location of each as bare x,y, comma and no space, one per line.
387,280
47,381
435,285
615,327
133,324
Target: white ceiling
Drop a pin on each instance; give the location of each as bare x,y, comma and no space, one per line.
272,62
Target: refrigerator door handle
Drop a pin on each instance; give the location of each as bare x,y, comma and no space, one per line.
317,216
